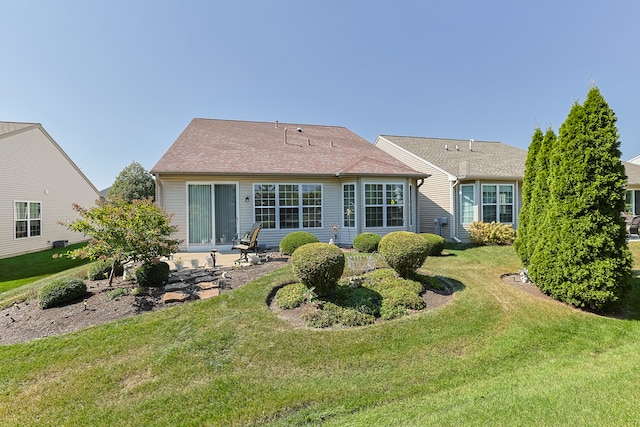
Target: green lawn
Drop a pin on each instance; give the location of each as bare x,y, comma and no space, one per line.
494,356
23,269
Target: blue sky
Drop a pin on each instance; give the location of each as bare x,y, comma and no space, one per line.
118,81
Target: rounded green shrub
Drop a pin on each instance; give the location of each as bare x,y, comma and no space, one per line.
318,266
366,242
293,241
436,242
291,296
101,270
152,274
404,251
60,292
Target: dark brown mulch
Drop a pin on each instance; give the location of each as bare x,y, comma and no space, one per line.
25,321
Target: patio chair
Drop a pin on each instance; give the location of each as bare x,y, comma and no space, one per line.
246,238
251,245
633,226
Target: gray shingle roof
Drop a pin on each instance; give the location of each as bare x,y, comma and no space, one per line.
484,160
228,147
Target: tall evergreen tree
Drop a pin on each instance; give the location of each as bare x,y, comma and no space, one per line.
133,183
539,198
524,237
582,256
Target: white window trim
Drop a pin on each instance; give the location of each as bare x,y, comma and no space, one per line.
513,203
354,208
300,205
28,219
473,205
384,204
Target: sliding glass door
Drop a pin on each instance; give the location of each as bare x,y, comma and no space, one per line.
212,213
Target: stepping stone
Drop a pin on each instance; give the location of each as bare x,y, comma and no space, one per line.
208,293
174,297
208,285
204,279
176,286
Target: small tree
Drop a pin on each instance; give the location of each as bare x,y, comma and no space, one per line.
132,183
124,231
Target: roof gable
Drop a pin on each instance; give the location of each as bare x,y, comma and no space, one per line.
10,127
466,159
228,147
632,171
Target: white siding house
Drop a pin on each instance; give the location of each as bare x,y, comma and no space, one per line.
221,176
38,187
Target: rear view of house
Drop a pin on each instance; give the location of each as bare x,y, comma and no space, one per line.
38,187
221,176
469,181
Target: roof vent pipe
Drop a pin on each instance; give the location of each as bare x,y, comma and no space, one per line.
470,142
276,124
308,142
457,148
331,143
446,147
285,136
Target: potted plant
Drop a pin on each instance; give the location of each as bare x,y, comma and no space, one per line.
179,263
194,263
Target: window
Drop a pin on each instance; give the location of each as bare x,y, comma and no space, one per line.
497,203
311,206
632,202
288,206
349,205
384,205
28,220
265,204
467,200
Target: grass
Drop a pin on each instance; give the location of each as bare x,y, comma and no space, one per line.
24,269
494,356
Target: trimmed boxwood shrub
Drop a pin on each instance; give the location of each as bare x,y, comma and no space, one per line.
60,292
318,266
366,242
404,251
436,242
152,274
101,270
291,296
293,241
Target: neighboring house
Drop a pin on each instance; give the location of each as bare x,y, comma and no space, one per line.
635,160
38,187
221,176
633,188
469,181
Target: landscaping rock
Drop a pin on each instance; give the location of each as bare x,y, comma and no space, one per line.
177,286
174,297
208,285
208,293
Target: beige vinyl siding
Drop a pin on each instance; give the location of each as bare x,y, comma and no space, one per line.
463,233
35,169
434,199
173,197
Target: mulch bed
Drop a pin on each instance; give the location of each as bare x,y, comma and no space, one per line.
25,321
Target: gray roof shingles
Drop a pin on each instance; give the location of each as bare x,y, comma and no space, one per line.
229,147
484,160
